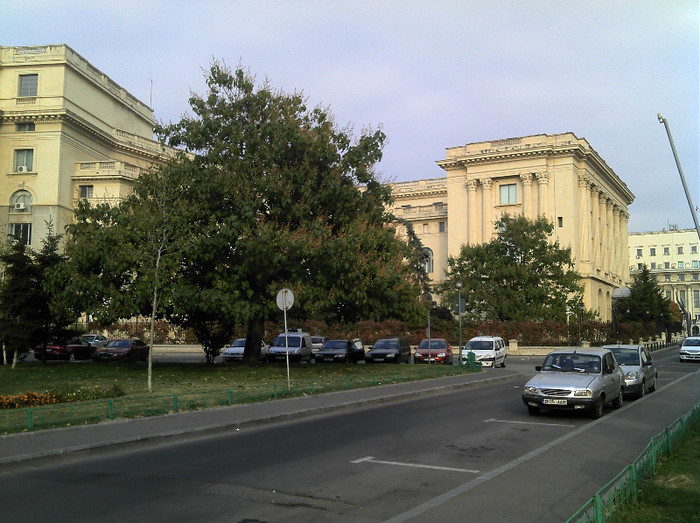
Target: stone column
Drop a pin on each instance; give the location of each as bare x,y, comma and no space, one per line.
473,223
526,179
543,201
487,216
584,198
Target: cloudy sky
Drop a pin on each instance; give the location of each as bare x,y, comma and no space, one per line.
433,74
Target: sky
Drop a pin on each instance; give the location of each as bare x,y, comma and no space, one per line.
431,74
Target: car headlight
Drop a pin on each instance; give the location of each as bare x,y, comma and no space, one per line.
632,375
585,393
442,354
531,390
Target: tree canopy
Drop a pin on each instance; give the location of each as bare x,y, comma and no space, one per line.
521,275
646,304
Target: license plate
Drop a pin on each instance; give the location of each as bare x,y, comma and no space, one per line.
547,401
378,359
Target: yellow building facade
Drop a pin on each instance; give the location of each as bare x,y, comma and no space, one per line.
67,131
673,259
560,177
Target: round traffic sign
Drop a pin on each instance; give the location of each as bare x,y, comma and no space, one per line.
285,299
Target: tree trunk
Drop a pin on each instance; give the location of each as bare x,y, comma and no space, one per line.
253,339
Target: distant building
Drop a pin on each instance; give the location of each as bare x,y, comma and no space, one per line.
557,176
673,259
67,131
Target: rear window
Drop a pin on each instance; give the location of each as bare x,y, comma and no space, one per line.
626,356
294,341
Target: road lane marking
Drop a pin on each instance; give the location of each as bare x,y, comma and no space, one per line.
370,459
492,420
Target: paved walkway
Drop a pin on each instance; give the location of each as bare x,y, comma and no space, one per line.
18,450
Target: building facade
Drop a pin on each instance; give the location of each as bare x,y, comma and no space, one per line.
673,259
560,177
67,131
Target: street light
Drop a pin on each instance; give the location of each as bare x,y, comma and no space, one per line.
459,313
580,322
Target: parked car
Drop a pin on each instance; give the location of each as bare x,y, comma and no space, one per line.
390,350
490,351
73,349
96,340
317,343
690,349
299,343
132,349
234,352
576,379
439,352
638,366
345,351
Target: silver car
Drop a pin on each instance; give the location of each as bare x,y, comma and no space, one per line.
638,365
690,349
234,352
575,379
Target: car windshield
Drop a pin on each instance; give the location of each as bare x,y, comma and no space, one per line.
572,362
335,344
434,344
240,342
384,344
626,356
120,344
88,337
479,345
693,342
316,339
293,341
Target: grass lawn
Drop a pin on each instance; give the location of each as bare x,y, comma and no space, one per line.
673,494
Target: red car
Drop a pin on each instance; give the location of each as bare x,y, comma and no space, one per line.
132,349
73,349
439,352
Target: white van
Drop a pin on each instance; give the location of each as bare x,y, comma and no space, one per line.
490,351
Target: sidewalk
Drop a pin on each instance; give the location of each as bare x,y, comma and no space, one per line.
17,450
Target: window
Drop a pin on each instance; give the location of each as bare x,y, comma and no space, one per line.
696,299
24,160
24,127
666,251
28,84
21,201
426,230
668,295
667,277
681,297
21,232
696,277
695,264
639,253
560,221
509,194
428,260
640,266
653,265
442,226
667,265
693,249
680,264
680,249
681,277
85,191
652,251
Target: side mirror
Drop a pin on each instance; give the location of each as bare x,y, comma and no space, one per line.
538,368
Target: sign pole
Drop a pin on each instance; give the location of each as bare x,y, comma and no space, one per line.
285,300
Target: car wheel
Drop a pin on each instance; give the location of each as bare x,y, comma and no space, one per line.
618,401
597,411
71,357
653,387
643,390
532,410
504,362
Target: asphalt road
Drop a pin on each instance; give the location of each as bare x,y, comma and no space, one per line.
471,455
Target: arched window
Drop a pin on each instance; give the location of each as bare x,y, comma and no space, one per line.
21,201
428,260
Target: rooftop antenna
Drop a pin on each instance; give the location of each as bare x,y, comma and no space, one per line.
680,171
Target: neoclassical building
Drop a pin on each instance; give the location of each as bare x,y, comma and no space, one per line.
67,131
558,176
673,259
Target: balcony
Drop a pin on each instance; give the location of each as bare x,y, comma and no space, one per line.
421,212
106,171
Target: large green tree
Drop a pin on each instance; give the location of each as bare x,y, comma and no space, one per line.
278,205
646,304
521,275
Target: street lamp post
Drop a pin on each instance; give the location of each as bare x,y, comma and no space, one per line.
459,315
580,322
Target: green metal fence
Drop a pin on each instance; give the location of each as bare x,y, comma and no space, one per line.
624,488
86,412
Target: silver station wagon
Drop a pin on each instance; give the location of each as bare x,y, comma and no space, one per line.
576,379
